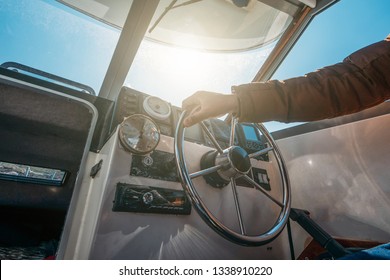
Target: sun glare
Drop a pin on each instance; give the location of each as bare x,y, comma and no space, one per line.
186,71
174,73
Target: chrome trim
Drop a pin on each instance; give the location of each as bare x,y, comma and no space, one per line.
205,213
237,204
211,137
205,171
228,170
259,188
232,131
261,152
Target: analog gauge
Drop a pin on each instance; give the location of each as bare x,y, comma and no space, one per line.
139,134
157,108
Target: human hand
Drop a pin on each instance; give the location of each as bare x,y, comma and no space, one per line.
204,104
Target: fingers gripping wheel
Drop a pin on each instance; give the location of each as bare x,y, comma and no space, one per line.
230,164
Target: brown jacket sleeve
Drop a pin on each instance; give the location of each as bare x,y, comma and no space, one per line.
361,81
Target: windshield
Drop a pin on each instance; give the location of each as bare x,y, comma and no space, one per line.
52,37
175,73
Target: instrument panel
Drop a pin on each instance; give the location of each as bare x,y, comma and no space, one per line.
157,108
166,116
131,102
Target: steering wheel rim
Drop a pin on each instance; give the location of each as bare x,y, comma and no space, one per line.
240,238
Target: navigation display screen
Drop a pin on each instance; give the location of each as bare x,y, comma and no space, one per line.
250,133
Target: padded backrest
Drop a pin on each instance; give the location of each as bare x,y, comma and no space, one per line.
42,129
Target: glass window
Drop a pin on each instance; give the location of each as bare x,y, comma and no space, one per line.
54,38
340,30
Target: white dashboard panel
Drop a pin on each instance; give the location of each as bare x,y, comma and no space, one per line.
127,235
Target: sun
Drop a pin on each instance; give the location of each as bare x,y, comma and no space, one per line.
181,72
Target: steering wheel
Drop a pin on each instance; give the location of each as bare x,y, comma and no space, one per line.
229,165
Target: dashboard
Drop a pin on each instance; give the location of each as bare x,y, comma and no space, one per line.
138,199
166,117
161,165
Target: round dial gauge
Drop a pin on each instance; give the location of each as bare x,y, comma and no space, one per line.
139,134
157,108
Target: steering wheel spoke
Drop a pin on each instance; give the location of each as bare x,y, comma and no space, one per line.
206,171
211,137
259,188
261,152
232,131
237,204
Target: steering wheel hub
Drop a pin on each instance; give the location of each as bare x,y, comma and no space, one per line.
235,163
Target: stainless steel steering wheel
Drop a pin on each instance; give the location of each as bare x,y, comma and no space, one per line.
231,164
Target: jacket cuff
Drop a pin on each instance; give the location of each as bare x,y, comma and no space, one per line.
258,102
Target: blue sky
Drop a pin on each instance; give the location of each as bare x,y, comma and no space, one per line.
342,29
39,34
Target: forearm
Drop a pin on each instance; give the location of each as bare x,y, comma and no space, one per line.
361,81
